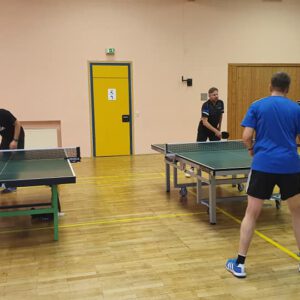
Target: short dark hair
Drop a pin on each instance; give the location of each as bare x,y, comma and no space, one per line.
281,81
212,89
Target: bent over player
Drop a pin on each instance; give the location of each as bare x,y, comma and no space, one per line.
12,135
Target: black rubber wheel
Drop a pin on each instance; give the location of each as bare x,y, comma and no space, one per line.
183,191
240,187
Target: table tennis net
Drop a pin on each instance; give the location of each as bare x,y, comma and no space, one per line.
73,154
204,146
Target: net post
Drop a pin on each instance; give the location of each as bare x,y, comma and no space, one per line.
78,153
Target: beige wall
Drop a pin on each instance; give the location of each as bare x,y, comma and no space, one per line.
46,46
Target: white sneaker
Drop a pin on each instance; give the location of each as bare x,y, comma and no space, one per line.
187,175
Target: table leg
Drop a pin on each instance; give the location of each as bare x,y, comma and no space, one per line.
54,201
199,186
175,177
212,200
167,177
233,178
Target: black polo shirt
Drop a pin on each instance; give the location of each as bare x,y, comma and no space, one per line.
212,112
7,123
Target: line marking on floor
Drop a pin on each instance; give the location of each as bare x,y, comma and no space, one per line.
258,233
128,220
264,237
99,222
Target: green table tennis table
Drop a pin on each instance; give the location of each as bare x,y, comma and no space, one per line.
214,163
49,167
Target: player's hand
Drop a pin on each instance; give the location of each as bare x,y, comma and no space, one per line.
251,153
13,145
219,134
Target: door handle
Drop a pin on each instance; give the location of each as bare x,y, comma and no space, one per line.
125,118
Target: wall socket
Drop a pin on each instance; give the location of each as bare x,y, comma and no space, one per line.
203,96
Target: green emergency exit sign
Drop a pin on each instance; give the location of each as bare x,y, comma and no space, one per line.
110,51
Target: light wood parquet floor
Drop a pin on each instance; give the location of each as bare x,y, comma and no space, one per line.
123,237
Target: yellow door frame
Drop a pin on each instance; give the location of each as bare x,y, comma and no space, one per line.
91,64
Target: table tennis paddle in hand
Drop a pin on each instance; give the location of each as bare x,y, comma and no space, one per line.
225,135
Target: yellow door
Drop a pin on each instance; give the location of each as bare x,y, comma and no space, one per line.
111,109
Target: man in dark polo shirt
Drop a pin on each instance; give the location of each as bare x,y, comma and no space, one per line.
211,117
12,135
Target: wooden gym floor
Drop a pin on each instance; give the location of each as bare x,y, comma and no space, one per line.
123,237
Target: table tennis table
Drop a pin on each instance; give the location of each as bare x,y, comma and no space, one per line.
211,162
49,167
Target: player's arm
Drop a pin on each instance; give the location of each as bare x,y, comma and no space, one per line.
248,135
14,143
210,127
220,123
298,129
221,116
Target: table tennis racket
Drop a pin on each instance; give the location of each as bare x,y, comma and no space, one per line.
225,135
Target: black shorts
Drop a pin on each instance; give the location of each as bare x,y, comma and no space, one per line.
260,184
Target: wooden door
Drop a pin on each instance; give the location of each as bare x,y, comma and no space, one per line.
250,82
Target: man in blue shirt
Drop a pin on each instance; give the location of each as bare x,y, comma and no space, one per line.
275,121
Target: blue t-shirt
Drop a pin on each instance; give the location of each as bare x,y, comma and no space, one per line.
276,121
